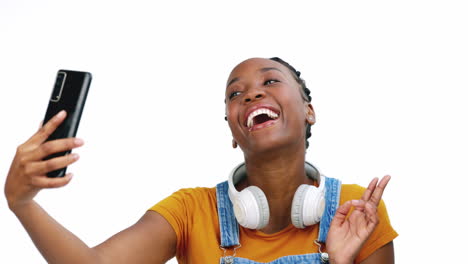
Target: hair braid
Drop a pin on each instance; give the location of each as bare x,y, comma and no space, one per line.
305,92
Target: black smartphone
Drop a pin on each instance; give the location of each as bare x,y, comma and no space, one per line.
69,93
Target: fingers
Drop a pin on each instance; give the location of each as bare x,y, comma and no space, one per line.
341,213
370,189
378,192
45,182
363,217
371,215
375,190
54,146
46,130
43,167
359,204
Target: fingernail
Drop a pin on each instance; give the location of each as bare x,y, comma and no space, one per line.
61,114
75,156
79,141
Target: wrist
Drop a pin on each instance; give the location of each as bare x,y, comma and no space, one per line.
20,206
18,201
334,259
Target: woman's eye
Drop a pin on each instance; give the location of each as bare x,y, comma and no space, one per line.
233,94
271,81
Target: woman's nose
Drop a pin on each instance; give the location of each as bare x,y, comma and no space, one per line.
254,96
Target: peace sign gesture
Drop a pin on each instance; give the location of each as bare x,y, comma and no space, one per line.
348,233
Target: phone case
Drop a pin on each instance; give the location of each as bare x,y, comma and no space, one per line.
69,94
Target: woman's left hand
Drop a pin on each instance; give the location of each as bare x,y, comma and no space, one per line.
347,234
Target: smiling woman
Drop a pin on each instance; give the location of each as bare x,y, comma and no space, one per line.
283,216
275,207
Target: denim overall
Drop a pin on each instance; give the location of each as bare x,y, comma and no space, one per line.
230,228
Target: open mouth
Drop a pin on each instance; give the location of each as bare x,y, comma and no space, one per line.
261,118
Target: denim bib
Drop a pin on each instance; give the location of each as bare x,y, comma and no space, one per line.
230,228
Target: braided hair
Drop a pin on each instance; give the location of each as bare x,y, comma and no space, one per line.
305,92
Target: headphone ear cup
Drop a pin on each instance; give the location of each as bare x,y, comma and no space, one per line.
298,205
308,206
251,208
314,202
263,208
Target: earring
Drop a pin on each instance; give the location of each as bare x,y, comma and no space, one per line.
234,144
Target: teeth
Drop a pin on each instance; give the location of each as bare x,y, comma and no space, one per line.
260,111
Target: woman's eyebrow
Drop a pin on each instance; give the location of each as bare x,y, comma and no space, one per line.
232,81
269,69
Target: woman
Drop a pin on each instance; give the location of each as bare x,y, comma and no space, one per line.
269,113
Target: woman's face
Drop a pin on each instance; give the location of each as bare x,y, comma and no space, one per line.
264,107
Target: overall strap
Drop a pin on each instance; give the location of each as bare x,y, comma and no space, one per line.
227,221
332,200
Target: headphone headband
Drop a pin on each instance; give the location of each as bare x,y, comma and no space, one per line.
239,173
251,206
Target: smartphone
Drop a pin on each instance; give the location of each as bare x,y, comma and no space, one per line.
69,93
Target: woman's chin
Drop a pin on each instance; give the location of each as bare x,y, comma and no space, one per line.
270,145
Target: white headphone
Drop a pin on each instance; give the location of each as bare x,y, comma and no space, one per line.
251,206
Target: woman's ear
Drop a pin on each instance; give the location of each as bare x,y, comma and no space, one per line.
234,144
310,114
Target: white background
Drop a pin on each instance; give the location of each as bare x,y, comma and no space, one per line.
388,81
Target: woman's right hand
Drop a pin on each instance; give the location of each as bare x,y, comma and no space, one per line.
27,174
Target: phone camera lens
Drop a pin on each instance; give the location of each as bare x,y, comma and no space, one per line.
57,91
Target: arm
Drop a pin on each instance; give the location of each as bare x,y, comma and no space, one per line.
56,244
383,255
150,240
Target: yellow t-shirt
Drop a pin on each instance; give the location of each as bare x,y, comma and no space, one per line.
193,215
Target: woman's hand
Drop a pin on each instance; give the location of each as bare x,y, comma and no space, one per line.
27,175
347,234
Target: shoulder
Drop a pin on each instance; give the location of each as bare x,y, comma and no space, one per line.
186,206
188,197
351,192
196,192
187,210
